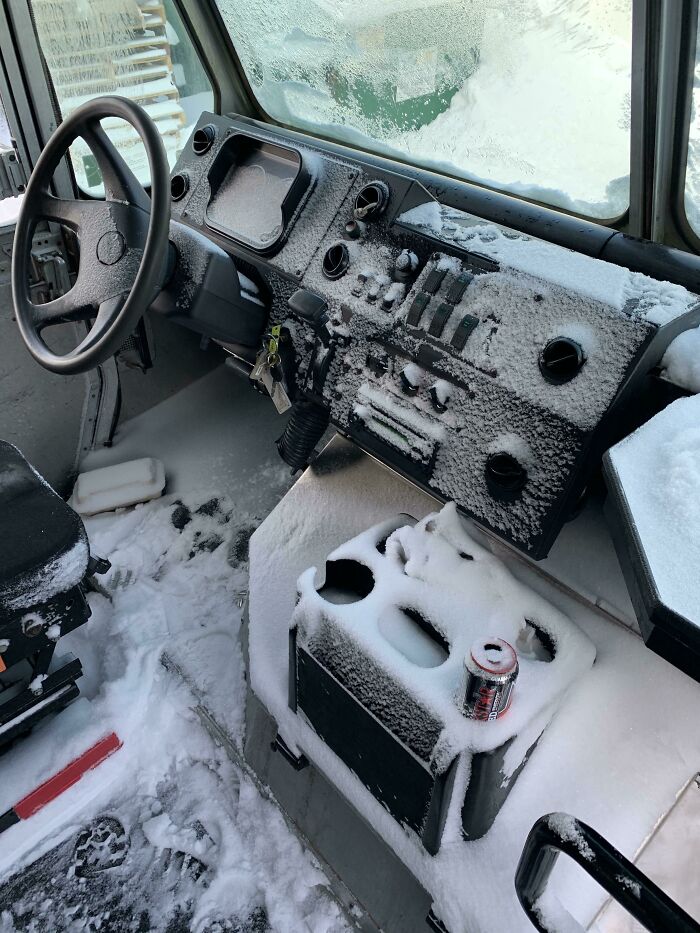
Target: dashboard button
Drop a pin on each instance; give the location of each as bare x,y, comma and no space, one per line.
410,379
353,229
464,331
418,306
440,318
439,396
459,287
359,285
434,280
373,293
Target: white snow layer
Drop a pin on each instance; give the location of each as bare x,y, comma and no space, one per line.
657,302
659,466
173,590
118,486
601,750
681,362
437,569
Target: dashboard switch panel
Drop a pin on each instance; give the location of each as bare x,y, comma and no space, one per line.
491,368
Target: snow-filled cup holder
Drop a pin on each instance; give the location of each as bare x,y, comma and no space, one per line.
413,636
534,644
347,581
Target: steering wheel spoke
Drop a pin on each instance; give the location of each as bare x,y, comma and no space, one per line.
62,310
73,213
120,183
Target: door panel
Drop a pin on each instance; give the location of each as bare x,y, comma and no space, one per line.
39,411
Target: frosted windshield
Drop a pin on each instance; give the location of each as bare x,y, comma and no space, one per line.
532,97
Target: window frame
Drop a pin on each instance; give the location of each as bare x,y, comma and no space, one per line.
680,227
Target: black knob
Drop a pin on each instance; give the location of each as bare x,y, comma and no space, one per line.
203,139
561,359
439,398
505,477
353,230
410,379
336,261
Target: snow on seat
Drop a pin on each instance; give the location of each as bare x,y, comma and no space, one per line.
43,546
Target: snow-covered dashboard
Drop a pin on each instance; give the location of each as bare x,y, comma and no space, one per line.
489,367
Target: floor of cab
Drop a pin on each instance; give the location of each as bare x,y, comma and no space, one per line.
170,833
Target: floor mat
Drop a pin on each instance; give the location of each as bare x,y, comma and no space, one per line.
169,834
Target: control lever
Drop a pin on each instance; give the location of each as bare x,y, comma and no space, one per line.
556,833
310,416
312,310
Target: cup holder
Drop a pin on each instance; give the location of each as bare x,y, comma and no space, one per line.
414,636
347,581
534,644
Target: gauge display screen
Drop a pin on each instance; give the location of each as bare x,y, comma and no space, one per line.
250,181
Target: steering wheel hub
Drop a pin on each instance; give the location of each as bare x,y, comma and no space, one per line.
111,246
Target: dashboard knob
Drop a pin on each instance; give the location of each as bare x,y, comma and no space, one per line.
440,395
410,379
405,265
505,476
561,359
353,229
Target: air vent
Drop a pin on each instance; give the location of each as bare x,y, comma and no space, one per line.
203,139
561,359
505,477
179,185
336,261
371,200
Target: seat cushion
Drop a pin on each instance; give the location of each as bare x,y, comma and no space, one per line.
43,546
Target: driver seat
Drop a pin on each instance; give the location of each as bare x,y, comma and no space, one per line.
45,567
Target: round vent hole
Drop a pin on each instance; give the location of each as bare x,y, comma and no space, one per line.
371,200
178,186
505,477
561,359
203,139
336,261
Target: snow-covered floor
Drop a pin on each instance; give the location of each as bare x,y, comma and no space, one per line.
206,850
194,842
178,569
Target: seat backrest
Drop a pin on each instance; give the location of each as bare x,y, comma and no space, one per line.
44,549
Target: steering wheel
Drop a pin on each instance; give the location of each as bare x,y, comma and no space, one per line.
123,239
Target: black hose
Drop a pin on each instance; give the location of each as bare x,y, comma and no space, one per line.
304,430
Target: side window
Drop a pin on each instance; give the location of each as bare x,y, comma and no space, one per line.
692,170
9,207
138,49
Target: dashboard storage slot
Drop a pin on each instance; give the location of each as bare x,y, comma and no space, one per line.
255,190
377,671
385,421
